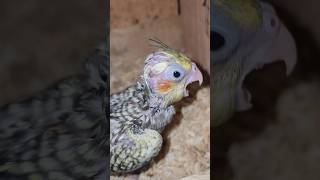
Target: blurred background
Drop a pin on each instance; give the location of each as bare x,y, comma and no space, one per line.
186,149
279,137
44,41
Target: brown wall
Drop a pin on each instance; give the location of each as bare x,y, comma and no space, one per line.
195,16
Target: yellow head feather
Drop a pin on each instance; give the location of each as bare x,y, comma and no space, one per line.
180,58
245,12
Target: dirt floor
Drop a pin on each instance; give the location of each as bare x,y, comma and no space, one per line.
187,143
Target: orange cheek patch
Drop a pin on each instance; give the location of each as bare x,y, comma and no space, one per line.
164,86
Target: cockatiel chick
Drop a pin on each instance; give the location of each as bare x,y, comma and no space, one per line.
139,113
245,35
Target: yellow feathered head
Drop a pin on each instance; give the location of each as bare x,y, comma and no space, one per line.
167,73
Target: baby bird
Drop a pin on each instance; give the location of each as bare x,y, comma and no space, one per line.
140,113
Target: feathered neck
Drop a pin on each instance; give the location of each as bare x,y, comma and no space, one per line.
153,100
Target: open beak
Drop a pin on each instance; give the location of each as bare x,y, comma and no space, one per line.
280,47
284,48
195,75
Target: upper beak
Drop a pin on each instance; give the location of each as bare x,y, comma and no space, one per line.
195,75
284,48
281,46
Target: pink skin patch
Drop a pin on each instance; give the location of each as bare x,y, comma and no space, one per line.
164,85
160,85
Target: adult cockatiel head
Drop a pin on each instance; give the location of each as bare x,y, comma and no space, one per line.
167,73
245,35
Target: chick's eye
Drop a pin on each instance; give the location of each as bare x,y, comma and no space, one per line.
174,72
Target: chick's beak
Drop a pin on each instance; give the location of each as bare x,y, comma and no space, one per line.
284,49
195,75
